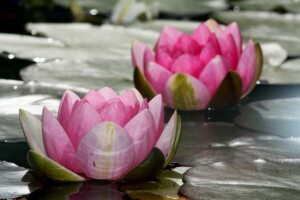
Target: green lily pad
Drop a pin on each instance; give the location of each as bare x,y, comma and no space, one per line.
142,84
255,180
15,181
149,168
280,117
229,92
47,168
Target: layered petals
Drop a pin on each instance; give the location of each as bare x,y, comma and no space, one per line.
106,136
168,37
58,145
82,120
106,152
157,76
196,56
214,73
142,133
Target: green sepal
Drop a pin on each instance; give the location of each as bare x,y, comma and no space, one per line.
47,168
258,69
184,96
175,142
142,85
149,168
229,91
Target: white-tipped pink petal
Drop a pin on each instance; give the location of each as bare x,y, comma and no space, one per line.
185,92
213,26
138,95
141,130
188,64
247,65
32,129
168,38
84,117
94,98
214,73
114,110
57,143
167,139
107,93
156,107
106,152
202,34
157,76
137,54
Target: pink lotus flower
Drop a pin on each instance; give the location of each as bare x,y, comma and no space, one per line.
101,136
207,68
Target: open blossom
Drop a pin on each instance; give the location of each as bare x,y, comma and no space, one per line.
101,136
207,68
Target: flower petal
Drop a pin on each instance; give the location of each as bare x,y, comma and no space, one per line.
57,143
143,135
84,117
186,93
142,84
202,34
229,50
156,107
65,108
107,93
137,54
129,98
258,68
167,38
94,98
185,45
50,169
169,139
32,129
149,56
157,76
144,105
234,30
188,64
214,73
106,152
213,26
247,65
114,110
163,58
138,95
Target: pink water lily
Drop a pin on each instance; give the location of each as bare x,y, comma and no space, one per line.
207,68
101,136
